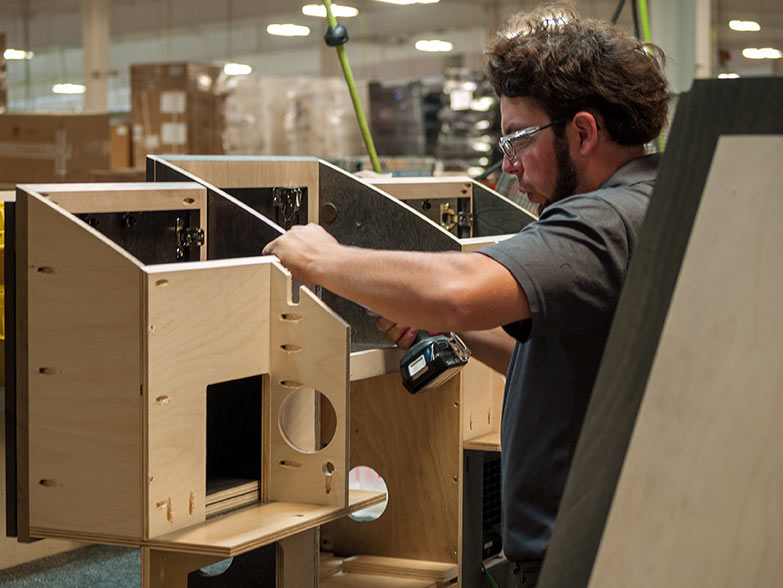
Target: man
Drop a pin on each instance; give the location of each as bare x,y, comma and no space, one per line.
579,99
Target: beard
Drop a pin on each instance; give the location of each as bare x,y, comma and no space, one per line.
566,181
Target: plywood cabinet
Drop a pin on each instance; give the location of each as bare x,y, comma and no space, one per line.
131,378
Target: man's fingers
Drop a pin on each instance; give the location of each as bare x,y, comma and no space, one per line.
407,338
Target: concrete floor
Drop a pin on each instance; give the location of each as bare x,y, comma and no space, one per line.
93,566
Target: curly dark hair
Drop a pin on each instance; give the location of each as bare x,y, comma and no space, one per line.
566,64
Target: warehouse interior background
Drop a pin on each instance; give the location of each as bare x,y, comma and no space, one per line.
695,34
418,64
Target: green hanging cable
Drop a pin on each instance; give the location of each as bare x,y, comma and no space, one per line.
645,21
336,36
489,576
648,39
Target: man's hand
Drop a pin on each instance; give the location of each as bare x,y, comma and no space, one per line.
299,249
399,334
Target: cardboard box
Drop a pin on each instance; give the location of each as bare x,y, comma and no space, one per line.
292,116
177,108
52,147
120,151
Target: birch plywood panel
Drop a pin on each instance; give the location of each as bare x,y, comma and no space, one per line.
84,373
413,442
77,198
700,488
308,350
255,526
415,188
207,322
256,172
482,399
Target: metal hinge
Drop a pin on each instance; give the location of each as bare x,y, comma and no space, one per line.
188,237
450,219
289,201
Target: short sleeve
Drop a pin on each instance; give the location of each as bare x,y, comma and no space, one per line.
571,264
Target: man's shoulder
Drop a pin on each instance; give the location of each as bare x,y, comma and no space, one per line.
626,192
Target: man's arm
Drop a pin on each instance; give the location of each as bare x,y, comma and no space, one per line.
435,291
493,347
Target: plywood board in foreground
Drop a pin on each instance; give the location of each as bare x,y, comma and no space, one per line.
698,502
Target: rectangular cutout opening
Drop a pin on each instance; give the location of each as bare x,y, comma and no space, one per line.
233,444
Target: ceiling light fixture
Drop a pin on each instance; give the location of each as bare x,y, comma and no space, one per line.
763,53
237,69
288,30
12,54
744,25
434,45
337,10
69,88
728,76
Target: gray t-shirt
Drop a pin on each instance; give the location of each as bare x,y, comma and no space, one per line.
571,264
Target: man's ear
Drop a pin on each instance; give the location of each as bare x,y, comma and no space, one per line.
586,126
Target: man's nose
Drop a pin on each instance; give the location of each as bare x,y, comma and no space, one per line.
511,166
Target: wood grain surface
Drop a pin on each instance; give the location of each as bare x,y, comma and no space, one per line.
205,322
83,376
308,349
413,442
241,531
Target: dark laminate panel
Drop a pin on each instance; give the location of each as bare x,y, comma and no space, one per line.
495,215
19,324
369,218
712,108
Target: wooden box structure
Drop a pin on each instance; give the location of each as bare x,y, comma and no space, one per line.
414,442
156,385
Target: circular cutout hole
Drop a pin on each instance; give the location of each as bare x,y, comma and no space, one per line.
328,468
366,478
216,569
308,420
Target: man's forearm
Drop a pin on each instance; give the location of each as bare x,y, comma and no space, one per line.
492,347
